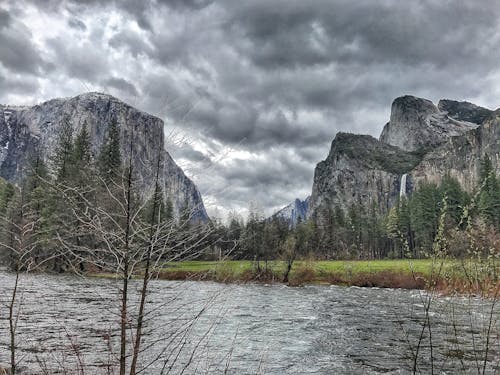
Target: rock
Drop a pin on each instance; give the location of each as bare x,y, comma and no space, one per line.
464,111
420,143
26,129
359,169
461,156
295,211
416,124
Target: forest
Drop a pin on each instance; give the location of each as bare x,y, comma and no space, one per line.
74,208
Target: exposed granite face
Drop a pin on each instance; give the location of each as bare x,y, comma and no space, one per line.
360,169
418,125
421,141
295,211
464,111
25,129
461,156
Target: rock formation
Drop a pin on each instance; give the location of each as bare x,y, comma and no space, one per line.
295,211
421,142
418,125
26,129
360,170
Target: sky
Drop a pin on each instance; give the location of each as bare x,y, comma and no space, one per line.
252,92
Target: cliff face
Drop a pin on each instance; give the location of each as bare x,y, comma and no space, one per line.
360,169
295,211
25,129
460,156
421,142
418,125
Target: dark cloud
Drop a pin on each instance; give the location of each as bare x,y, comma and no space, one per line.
4,18
131,42
17,50
82,61
286,33
18,86
186,4
254,91
122,85
77,24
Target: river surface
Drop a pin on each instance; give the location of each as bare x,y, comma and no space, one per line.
68,323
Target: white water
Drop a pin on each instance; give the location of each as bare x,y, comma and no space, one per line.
402,188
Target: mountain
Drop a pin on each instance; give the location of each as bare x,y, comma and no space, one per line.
360,169
461,156
416,124
26,129
421,142
294,211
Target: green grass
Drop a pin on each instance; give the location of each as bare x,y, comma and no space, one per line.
407,266
448,275
423,266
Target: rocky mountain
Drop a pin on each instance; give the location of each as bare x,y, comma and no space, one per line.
23,130
418,125
460,156
421,142
295,211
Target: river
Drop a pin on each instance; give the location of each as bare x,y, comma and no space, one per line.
68,322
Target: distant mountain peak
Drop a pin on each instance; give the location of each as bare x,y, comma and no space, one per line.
294,212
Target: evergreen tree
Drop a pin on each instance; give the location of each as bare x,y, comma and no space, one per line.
62,157
155,210
456,198
489,194
82,154
425,209
110,160
7,191
169,209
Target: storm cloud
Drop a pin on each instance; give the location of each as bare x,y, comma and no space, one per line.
252,93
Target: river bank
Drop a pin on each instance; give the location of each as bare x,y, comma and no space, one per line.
446,276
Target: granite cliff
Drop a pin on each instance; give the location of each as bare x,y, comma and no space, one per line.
25,129
421,142
294,212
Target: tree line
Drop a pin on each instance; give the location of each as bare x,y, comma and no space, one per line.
408,229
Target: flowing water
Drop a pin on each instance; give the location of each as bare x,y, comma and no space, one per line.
402,187
66,323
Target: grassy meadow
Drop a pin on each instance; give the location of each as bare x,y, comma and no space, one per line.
447,275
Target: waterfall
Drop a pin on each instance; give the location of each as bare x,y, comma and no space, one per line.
402,187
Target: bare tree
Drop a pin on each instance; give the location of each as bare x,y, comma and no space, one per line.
120,233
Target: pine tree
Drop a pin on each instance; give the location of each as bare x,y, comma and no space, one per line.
7,191
425,209
82,153
110,161
456,198
62,157
489,194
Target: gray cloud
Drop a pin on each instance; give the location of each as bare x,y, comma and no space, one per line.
122,85
77,24
82,62
18,53
4,18
256,90
131,42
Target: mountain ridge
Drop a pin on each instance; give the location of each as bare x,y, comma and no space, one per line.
421,142
27,129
